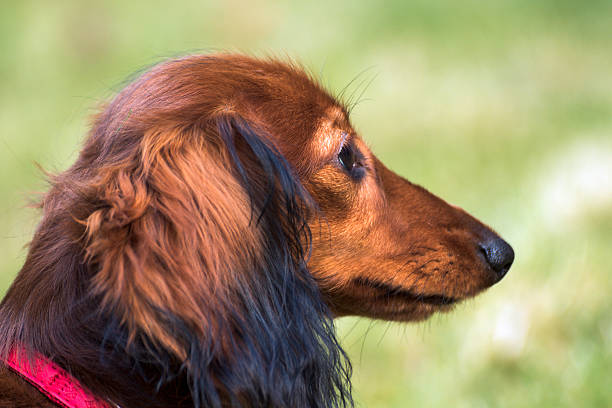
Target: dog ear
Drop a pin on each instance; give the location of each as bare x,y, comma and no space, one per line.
161,236
198,251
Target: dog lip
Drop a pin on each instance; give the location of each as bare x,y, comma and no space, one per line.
398,291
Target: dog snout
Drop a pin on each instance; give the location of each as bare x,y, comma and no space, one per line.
498,254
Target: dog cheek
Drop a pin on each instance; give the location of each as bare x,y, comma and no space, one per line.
333,193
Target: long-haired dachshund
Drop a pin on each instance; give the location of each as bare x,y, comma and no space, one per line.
221,213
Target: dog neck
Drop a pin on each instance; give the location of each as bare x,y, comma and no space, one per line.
53,381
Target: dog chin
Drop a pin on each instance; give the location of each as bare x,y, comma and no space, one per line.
420,312
379,300
397,307
408,312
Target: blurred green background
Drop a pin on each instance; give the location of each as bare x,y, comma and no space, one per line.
501,107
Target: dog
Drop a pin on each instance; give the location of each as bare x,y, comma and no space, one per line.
221,213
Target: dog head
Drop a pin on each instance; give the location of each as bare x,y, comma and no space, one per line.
382,247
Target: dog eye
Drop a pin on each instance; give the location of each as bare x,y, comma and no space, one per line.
347,158
351,161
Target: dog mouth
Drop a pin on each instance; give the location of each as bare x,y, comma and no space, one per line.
387,291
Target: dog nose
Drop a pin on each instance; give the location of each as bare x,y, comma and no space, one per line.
499,255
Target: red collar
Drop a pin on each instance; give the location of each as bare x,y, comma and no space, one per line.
53,381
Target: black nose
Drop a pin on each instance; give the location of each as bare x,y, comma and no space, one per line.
499,254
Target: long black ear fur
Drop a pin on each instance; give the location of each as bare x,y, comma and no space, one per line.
285,352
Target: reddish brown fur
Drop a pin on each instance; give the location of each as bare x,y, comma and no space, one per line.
153,220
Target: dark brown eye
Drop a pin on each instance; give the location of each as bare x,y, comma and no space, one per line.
352,161
347,158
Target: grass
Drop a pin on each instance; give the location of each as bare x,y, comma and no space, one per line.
502,107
